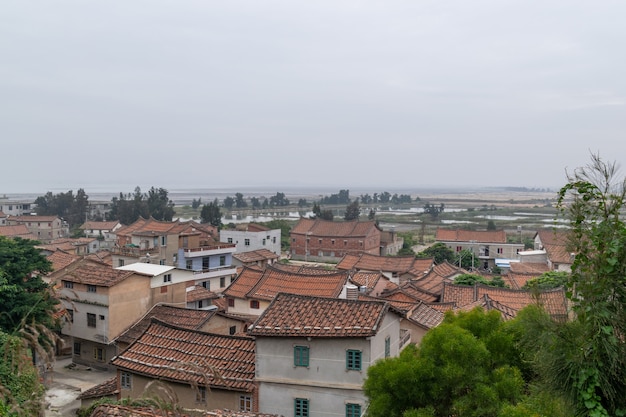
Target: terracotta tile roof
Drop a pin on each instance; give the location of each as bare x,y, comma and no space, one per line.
288,267
517,281
553,300
443,307
431,283
529,268
200,293
369,262
410,292
61,259
105,389
480,236
422,266
315,270
366,279
93,225
275,281
182,355
447,270
176,316
555,244
18,230
325,228
245,281
255,256
87,271
298,315
254,227
348,262
426,316
102,256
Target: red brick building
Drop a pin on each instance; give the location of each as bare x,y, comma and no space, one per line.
323,240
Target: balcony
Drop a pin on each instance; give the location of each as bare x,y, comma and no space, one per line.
214,272
209,250
132,251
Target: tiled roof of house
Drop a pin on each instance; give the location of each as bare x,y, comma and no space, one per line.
366,279
480,236
410,292
87,271
200,293
326,228
189,356
555,244
105,389
93,225
553,300
61,259
177,316
422,266
521,272
426,316
299,315
245,281
18,230
103,256
275,281
369,262
255,256
447,270
254,227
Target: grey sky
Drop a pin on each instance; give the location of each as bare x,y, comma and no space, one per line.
113,94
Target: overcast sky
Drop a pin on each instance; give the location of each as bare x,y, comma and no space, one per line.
339,94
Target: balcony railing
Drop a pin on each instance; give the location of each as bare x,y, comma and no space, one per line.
132,251
210,247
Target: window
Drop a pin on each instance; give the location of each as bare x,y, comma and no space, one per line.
91,320
301,356
101,317
500,250
161,261
353,410
77,348
230,240
301,407
163,240
232,330
188,264
120,262
206,284
70,315
222,260
222,282
205,263
345,243
254,304
125,380
91,288
332,241
246,242
274,239
360,243
167,278
319,241
245,403
263,242
68,284
201,395
353,360
387,347
99,354
293,240
200,304
459,248
231,302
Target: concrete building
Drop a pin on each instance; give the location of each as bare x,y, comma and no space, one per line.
252,237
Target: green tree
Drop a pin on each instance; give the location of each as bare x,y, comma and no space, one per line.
159,204
547,280
352,211
594,374
439,252
24,296
491,225
465,259
71,208
22,393
211,214
240,201
467,366
472,279
228,202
